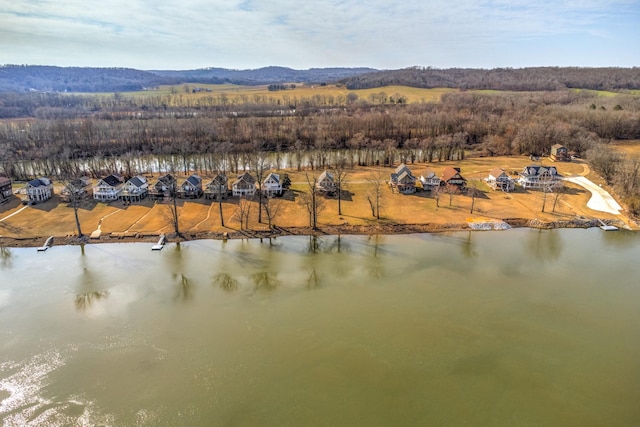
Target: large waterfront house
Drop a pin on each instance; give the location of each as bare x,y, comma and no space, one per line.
499,180
539,177
402,180
108,188
76,189
218,188
452,178
162,188
191,188
429,179
5,189
134,190
559,153
271,186
244,185
39,190
326,183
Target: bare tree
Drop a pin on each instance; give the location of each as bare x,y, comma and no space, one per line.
243,212
559,189
75,193
312,201
340,179
375,182
473,191
259,167
272,209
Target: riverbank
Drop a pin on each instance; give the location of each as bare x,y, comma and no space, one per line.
379,229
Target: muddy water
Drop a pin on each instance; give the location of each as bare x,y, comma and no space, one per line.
508,328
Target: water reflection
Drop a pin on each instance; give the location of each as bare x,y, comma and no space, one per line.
374,266
226,282
5,258
313,281
88,291
265,281
184,288
85,300
544,245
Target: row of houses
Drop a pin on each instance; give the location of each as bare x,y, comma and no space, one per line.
535,177
402,180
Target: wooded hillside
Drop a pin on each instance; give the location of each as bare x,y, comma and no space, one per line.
521,79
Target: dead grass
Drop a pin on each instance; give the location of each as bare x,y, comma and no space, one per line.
200,216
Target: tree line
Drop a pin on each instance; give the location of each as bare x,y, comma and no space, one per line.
515,79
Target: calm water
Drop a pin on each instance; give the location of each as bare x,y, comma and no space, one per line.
516,328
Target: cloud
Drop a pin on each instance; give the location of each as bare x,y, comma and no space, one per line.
253,33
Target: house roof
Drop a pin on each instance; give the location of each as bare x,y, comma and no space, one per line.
273,176
405,176
194,180
402,168
539,170
496,172
138,181
555,147
220,179
450,172
112,180
246,177
326,175
429,174
39,182
167,179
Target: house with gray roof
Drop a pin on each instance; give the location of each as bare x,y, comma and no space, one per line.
39,190
134,190
191,188
402,180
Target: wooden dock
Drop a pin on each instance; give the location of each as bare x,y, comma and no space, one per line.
46,245
158,246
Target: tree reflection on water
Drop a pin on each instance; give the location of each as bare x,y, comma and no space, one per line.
226,282
5,258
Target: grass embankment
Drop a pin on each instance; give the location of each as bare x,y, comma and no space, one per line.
401,213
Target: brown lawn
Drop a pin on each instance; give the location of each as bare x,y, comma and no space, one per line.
200,216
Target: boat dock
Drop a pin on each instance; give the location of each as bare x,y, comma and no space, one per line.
46,245
606,227
158,246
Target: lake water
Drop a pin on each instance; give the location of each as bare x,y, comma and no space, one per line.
515,328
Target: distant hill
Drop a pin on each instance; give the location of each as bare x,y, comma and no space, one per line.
266,75
21,78
517,79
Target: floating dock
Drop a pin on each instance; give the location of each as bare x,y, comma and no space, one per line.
158,246
606,227
46,245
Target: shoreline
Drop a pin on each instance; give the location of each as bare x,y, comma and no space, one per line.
327,230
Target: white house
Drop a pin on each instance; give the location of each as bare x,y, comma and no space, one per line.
326,183
499,180
107,189
539,177
272,186
39,190
218,188
134,190
244,185
429,179
191,187
403,180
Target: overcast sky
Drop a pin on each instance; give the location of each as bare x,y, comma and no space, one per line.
302,34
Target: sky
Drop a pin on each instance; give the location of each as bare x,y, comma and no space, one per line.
303,34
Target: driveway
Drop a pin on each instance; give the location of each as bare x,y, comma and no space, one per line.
600,200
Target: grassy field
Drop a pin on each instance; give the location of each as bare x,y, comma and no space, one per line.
235,94
197,216
631,147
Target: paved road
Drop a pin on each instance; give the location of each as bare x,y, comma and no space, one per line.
600,200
